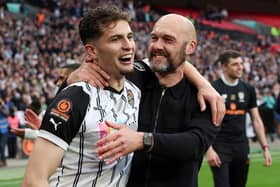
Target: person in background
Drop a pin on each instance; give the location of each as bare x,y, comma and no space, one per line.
4,125
229,155
12,139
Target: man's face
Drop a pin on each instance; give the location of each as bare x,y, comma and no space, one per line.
115,49
62,76
234,68
166,49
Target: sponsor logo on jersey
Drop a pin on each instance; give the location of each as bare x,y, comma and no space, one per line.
61,109
55,124
64,105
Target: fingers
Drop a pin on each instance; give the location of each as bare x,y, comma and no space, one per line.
201,102
221,110
215,162
214,112
106,140
31,125
113,125
111,149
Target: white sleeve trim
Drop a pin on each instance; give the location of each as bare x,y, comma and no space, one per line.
30,133
53,138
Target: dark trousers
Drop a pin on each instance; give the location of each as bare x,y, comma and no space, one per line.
234,169
3,142
12,146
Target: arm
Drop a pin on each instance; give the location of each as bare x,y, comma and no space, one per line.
44,159
195,140
91,73
260,132
206,93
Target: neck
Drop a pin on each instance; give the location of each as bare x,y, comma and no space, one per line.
171,79
229,81
117,84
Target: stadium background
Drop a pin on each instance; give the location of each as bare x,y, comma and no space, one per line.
38,36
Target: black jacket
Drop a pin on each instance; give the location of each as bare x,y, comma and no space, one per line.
181,133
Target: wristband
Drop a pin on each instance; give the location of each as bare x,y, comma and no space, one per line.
264,147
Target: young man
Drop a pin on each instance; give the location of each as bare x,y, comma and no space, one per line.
229,155
173,132
74,121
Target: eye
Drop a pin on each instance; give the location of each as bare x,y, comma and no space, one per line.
130,36
154,38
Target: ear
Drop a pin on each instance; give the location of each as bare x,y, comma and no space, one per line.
190,48
90,53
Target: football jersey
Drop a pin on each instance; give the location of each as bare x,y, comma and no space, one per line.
238,100
74,121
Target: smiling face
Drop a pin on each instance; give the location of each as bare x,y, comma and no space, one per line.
234,68
115,49
172,39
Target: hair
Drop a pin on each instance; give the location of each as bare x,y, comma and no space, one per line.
95,21
70,66
226,55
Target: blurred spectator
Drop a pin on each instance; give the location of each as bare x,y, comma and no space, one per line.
4,125
12,139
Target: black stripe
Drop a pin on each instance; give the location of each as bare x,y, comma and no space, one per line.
98,174
81,152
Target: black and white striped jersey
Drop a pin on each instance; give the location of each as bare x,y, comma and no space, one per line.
75,121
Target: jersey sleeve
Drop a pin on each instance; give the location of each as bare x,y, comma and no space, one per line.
64,116
253,97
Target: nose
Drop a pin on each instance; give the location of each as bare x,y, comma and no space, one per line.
156,44
128,44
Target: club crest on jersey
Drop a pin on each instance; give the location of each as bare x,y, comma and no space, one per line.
130,97
61,109
232,97
241,96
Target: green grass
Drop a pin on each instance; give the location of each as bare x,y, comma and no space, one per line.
259,176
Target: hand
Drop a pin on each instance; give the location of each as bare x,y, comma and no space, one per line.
18,132
213,158
268,158
119,143
32,119
217,104
90,72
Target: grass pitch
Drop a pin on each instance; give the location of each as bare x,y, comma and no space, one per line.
259,176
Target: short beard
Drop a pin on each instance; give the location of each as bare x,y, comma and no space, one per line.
165,69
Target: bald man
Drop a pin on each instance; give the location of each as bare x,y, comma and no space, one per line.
173,133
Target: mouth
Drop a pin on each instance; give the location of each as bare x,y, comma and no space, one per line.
126,59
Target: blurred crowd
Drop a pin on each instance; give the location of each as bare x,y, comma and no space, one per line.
32,49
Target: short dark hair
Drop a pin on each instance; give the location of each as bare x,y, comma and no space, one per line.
73,66
227,54
93,24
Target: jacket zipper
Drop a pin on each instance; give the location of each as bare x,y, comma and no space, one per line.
148,172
